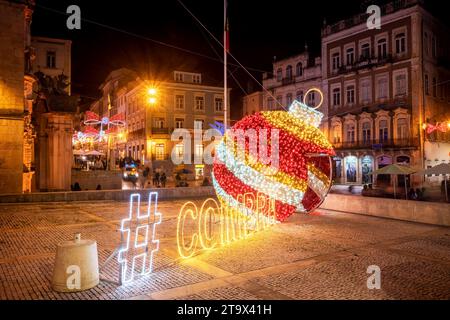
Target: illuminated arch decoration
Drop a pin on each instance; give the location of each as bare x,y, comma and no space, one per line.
218,224
139,242
303,177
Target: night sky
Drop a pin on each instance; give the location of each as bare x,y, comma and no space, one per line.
259,30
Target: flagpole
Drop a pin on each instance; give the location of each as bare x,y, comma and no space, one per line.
225,82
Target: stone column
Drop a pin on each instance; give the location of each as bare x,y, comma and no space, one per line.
55,151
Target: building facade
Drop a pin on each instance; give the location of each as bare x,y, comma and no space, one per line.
15,94
52,57
182,102
377,86
290,80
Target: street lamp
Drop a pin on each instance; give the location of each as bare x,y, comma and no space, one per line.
152,94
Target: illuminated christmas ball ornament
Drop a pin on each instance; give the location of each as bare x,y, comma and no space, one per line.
301,178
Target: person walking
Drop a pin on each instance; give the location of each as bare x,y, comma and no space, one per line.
163,179
156,180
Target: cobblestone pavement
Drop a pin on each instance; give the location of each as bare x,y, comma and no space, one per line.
320,256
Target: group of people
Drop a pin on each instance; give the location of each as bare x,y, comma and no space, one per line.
416,194
158,180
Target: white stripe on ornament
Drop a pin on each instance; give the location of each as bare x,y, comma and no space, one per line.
232,202
317,185
259,181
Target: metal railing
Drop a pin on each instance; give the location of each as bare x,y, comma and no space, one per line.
378,144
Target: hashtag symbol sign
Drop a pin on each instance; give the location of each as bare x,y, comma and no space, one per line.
139,243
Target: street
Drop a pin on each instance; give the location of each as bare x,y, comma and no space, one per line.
324,255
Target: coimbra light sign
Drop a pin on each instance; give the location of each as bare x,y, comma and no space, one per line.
214,225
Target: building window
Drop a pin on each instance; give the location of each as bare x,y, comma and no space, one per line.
159,151
179,102
382,48
289,99
199,103
383,88
199,151
336,134
198,124
179,123
300,96
365,51
383,132
218,104
196,78
51,59
270,103
279,102
336,61
351,133
178,77
279,74
299,70
289,72
434,89
159,123
365,91
350,56
311,99
427,85
400,43
433,47
426,45
350,94
366,134
179,150
336,97
400,85
402,128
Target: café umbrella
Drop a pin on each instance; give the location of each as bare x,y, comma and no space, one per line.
395,170
440,169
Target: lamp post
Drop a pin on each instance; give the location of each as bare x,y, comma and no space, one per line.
152,99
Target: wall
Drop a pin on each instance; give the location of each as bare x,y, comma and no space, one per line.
109,180
415,211
12,35
115,195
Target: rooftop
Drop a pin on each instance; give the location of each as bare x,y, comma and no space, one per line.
358,19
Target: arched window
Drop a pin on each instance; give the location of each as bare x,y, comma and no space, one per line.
289,72
383,132
366,132
336,133
402,129
299,69
400,43
382,48
350,133
288,99
279,74
300,96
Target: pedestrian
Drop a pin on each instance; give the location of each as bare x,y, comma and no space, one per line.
163,179
419,194
412,195
156,180
76,187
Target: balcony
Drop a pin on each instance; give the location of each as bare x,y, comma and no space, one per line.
161,130
161,157
377,145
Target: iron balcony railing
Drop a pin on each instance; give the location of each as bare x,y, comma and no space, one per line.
378,144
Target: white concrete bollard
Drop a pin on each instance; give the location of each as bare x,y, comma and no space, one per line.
76,265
